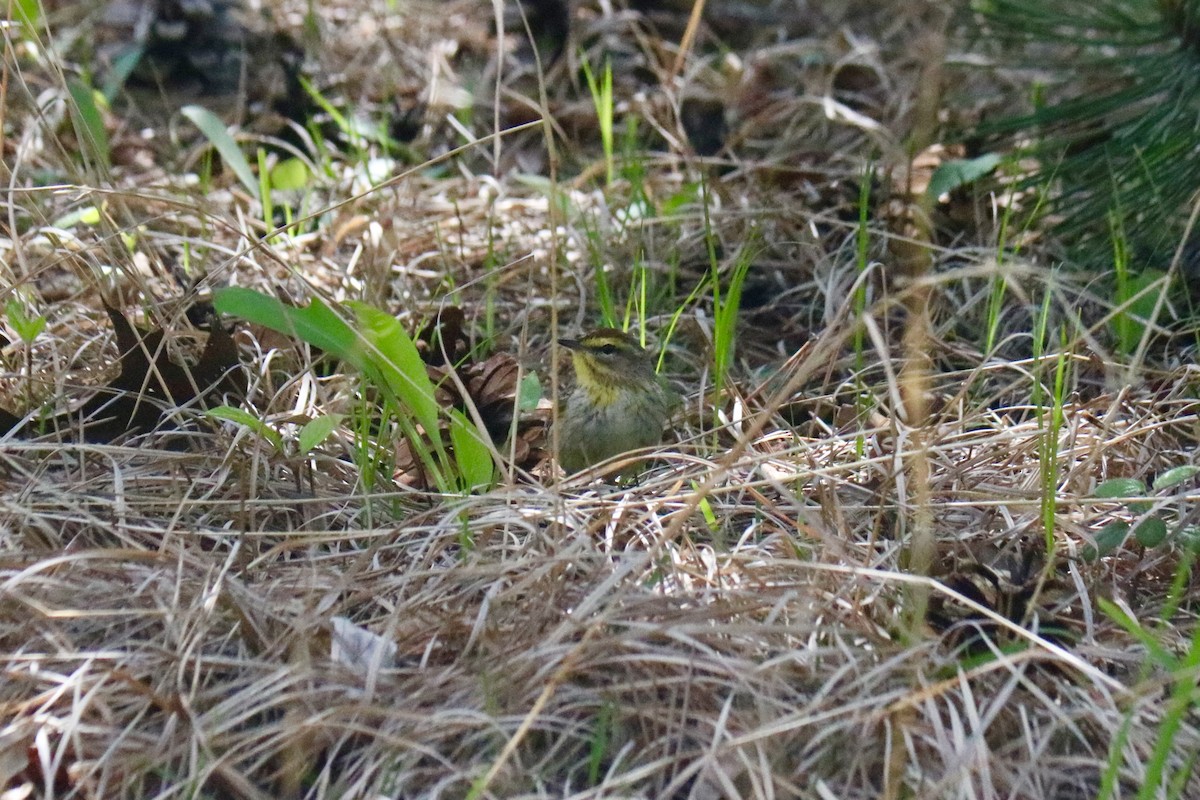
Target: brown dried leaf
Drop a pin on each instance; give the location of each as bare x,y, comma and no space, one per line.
149,383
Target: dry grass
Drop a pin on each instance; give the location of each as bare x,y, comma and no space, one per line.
179,617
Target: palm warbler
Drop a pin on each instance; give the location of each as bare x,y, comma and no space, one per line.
618,403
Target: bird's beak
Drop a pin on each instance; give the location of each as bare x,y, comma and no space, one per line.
570,344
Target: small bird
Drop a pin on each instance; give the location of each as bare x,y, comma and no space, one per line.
618,403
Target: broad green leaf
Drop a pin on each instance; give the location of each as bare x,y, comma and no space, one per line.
247,420
399,363
1120,487
318,324
1174,477
1150,532
950,175
1109,538
214,130
318,430
380,349
471,452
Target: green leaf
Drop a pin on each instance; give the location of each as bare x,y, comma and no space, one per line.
89,123
706,510
471,452
1141,294
1174,477
28,12
214,130
688,195
318,430
1120,487
950,175
27,327
398,363
529,392
379,349
1189,537
1109,538
247,420
88,215
289,175
264,189
1150,532
123,66
317,325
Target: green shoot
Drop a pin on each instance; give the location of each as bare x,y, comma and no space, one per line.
602,99
637,301
633,164
1049,424
1137,294
1112,769
1122,325
726,307
287,176
999,285
604,293
351,132
264,192
601,741
1049,450
28,327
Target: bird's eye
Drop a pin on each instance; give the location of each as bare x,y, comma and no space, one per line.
608,349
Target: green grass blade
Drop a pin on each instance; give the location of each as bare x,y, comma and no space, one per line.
244,418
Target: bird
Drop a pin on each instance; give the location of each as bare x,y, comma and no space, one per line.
618,402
